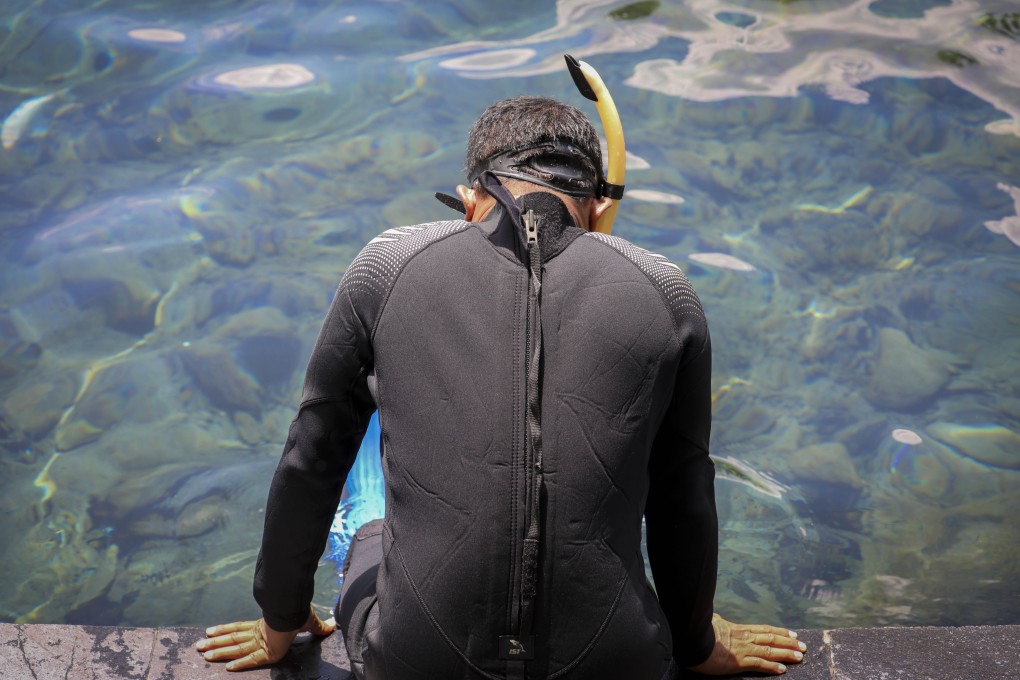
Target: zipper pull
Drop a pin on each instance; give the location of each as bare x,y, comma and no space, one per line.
530,228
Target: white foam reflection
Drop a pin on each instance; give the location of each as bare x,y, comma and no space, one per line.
905,436
268,77
14,124
489,61
722,260
653,196
1008,226
158,35
783,50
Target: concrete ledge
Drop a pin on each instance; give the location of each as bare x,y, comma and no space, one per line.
51,652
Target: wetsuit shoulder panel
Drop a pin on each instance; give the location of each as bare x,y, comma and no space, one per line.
374,271
676,290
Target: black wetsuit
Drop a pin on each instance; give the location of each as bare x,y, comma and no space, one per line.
431,325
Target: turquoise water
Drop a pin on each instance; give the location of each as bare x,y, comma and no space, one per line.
183,184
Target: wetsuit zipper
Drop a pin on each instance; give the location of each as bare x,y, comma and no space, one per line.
519,646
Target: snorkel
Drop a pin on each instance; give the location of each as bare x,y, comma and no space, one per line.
590,84
561,165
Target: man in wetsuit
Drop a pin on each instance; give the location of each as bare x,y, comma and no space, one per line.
541,389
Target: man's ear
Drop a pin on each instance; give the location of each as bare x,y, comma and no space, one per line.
470,200
597,209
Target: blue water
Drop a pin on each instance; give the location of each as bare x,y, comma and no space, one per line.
182,186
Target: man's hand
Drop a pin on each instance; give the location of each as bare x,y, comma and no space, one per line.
741,648
249,644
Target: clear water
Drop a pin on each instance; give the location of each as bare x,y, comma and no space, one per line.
183,184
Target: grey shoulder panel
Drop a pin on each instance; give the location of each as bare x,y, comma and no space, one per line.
374,271
668,278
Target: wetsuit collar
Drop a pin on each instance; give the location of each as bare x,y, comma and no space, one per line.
504,224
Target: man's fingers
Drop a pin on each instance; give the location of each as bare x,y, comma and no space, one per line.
225,640
230,628
777,654
232,652
774,640
257,658
762,628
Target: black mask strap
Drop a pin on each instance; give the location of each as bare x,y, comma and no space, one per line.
559,166
492,185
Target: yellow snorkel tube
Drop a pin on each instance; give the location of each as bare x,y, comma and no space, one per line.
590,84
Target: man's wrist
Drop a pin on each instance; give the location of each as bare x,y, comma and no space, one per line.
284,624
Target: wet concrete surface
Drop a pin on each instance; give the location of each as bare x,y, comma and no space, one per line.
56,652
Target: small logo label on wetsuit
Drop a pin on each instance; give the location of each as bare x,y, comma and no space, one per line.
513,648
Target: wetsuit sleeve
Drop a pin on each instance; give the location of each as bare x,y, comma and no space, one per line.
321,446
680,514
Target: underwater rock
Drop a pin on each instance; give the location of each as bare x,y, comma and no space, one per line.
248,428
905,376
399,153
65,567
989,444
919,212
747,421
195,519
251,356
839,245
113,394
18,350
829,462
76,433
160,578
227,385
183,500
231,241
37,406
127,302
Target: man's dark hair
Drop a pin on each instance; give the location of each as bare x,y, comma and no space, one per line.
523,122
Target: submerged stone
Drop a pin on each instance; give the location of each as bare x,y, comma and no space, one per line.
252,356
37,406
113,394
905,377
829,462
18,349
993,445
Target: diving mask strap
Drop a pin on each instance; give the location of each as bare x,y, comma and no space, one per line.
496,189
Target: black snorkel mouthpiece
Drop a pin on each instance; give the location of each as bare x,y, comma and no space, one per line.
574,66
